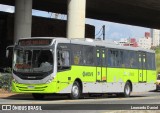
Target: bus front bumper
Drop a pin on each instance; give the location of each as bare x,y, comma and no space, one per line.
34,88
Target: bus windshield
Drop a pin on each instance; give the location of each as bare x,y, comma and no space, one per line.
32,61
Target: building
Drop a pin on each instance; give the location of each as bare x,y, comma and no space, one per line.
155,35
132,42
147,34
145,42
127,42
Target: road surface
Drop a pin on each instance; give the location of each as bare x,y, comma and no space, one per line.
96,104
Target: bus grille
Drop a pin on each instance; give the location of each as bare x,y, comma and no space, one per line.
32,76
30,89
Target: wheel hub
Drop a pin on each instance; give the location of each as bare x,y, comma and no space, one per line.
75,91
127,90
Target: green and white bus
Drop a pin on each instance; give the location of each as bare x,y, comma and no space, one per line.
80,66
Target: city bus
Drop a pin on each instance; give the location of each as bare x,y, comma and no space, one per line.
80,66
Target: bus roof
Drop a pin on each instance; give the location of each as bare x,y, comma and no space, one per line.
92,42
107,43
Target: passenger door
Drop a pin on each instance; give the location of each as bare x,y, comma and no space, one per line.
101,64
142,67
63,68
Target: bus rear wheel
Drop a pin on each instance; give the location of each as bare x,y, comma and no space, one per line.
38,96
127,90
76,91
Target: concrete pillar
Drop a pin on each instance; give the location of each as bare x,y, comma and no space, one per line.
76,19
23,19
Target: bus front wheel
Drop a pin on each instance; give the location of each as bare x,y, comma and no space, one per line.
75,91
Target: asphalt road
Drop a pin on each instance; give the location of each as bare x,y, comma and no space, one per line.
94,104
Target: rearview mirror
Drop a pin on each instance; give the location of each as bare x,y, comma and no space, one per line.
7,53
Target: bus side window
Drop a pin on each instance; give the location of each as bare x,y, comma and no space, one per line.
63,60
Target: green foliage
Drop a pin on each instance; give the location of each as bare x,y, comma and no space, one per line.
5,79
158,59
157,49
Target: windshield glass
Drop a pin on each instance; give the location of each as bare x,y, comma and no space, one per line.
33,60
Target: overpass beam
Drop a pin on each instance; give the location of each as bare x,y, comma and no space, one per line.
22,19
76,19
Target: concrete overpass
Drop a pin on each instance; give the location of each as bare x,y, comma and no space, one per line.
144,13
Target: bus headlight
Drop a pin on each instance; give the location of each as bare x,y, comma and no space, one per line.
49,81
15,81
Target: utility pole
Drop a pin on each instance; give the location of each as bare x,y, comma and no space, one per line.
103,32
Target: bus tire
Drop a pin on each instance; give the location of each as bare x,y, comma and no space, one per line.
127,90
76,91
37,96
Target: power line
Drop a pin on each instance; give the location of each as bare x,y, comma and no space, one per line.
100,35
99,31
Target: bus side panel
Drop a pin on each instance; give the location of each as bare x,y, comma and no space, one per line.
122,75
64,82
84,73
115,75
67,78
148,85
131,74
151,76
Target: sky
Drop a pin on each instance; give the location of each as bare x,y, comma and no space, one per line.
114,31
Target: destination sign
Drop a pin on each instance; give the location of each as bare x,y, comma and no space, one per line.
34,42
